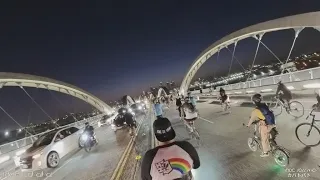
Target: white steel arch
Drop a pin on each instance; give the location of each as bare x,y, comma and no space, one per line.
290,22
127,100
161,91
26,80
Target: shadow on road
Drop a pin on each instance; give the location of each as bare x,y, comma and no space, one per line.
301,155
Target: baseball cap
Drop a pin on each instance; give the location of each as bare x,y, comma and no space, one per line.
163,130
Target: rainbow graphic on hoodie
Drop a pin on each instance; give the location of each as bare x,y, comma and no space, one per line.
180,165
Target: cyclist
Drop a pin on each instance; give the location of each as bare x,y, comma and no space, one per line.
283,93
190,113
179,106
191,99
161,162
90,130
129,119
157,107
266,122
225,101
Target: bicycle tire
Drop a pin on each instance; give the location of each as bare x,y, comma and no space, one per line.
284,162
309,124
297,102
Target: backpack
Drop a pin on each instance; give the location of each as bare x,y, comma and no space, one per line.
270,119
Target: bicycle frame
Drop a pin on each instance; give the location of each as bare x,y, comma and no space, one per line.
313,118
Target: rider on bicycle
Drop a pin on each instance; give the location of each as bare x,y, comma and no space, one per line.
266,122
89,130
191,99
224,99
283,93
164,161
190,112
157,107
129,119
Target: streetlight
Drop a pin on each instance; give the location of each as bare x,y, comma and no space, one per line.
6,133
19,130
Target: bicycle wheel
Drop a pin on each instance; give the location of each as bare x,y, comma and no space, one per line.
197,136
281,157
312,133
253,144
275,107
296,109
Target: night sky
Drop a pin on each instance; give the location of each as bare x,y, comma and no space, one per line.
112,48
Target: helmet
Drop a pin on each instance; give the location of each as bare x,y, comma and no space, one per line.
257,98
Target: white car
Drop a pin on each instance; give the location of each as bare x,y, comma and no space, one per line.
49,148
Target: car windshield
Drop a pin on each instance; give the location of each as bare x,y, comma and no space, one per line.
44,140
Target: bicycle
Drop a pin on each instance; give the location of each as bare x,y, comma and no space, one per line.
193,132
309,127
293,106
280,154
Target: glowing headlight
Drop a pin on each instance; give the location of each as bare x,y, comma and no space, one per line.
84,137
123,111
36,156
139,107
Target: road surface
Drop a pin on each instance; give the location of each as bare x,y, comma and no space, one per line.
226,155
80,165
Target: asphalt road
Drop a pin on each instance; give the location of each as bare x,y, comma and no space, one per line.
80,165
226,155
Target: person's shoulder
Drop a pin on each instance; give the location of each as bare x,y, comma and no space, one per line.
151,153
183,144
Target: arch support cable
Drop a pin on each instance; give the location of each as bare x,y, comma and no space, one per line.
234,49
236,58
35,102
256,53
62,104
297,32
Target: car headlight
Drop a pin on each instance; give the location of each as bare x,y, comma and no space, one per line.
36,156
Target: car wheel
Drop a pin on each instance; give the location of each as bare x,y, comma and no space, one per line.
53,159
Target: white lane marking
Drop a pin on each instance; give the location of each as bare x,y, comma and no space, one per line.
206,120
56,170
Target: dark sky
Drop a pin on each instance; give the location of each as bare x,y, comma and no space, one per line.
112,48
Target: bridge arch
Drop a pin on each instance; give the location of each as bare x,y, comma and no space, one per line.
161,92
127,100
297,21
26,80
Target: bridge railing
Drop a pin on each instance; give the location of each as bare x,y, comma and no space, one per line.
291,77
302,75
12,146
